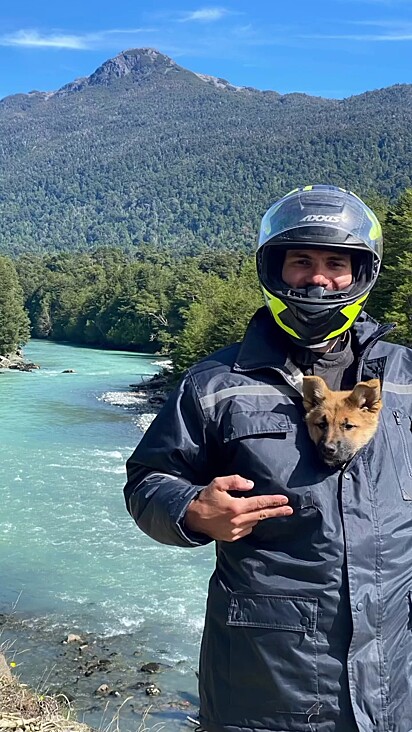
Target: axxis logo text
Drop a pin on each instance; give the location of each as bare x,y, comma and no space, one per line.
318,218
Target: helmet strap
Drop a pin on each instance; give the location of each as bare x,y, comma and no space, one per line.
321,346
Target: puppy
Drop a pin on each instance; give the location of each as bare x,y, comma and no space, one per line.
341,422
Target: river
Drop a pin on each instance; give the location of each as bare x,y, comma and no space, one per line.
71,558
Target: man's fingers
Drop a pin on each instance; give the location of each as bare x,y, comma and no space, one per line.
232,483
261,503
253,517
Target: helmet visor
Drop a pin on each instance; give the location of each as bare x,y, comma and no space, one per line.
309,216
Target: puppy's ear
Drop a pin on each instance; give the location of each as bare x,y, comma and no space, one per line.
367,395
314,392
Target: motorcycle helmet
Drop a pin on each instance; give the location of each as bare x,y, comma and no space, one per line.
318,217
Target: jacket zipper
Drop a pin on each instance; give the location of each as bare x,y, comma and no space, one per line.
398,421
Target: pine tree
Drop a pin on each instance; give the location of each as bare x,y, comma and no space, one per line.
400,310
397,235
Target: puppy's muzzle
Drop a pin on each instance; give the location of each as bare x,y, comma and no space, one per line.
334,454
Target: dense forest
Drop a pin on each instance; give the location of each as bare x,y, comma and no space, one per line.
164,302
145,151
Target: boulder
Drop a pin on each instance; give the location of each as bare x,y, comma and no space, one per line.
103,689
151,668
73,638
153,690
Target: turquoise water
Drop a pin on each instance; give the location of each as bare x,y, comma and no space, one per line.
70,555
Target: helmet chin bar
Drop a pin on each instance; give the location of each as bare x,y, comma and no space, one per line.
315,291
313,324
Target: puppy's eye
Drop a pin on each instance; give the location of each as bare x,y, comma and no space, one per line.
322,425
349,426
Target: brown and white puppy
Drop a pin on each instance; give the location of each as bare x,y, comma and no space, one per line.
341,422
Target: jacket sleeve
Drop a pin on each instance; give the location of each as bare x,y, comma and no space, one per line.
169,468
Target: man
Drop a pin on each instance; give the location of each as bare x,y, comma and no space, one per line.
309,616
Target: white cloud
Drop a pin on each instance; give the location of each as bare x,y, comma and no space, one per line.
34,39
205,15
78,42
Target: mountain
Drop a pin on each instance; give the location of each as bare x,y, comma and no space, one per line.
144,150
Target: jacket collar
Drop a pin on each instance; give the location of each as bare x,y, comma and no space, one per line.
266,346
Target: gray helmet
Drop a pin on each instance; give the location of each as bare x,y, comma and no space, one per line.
318,217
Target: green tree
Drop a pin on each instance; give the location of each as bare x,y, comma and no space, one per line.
397,235
219,316
14,322
400,310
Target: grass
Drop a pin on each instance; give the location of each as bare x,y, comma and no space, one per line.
23,710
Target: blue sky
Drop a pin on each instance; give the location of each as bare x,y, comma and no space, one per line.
331,48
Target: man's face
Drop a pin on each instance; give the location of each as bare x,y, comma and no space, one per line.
325,268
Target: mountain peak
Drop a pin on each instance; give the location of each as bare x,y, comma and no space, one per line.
137,62
134,60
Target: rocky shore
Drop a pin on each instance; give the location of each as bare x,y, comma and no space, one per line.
101,679
143,400
155,390
16,362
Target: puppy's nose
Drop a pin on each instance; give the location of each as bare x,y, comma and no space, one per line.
329,449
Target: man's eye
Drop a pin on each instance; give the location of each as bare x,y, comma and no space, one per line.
337,265
303,262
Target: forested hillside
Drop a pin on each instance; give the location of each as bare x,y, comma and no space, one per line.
144,151
185,306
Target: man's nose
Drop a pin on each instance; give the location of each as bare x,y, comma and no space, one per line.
318,278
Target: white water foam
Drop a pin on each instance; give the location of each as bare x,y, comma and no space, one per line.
165,364
107,453
121,398
143,421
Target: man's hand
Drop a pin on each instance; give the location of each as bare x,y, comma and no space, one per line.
227,518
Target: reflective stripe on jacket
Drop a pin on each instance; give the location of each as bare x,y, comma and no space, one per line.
309,618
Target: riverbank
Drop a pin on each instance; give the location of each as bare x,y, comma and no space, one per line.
23,710
16,362
154,391
97,679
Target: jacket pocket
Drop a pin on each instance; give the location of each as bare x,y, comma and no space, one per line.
273,659
250,424
400,439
